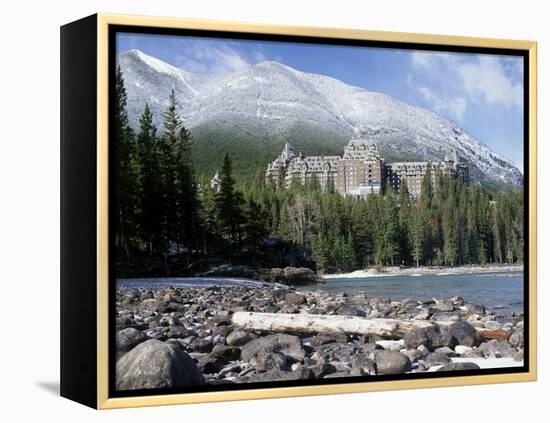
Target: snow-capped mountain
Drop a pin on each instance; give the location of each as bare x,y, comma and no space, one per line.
267,100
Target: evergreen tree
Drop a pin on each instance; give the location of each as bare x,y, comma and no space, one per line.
126,173
229,204
149,182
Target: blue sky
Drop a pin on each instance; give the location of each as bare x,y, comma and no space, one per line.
482,93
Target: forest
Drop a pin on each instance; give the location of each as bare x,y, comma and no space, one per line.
168,219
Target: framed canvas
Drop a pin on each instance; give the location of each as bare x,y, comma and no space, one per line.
256,211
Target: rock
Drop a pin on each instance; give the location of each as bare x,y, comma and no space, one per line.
289,345
391,363
496,348
177,332
435,359
231,368
302,373
239,337
415,338
128,338
301,276
348,310
279,294
295,299
424,315
464,334
227,352
319,340
446,351
519,356
391,345
462,349
414,355
476,309
492,325
200,345
443,306
267,361
432,338
321,370
516,339
361,365
209,364
151,304
423,350
445,317
495,334
154,364
451,367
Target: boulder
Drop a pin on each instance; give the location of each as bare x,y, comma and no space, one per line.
301,276
437,359
348,310
239,337
154,364
516,339
361,365
268,361
322,370
464,334
496,348
391,363
432,338
289,345
209,364
319,340
200,345
293,298
128,338
227,352
451,367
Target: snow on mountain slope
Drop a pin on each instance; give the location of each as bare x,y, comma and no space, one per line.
269,98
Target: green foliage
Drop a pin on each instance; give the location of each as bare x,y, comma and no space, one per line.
165,223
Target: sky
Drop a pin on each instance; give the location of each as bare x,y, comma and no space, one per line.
482,93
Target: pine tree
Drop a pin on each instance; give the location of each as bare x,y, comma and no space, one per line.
229,204
126,173
405,223
149,182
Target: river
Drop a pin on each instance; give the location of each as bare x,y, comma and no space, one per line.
500,292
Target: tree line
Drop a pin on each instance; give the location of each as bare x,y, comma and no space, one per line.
167,220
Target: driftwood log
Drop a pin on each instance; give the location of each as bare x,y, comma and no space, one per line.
326,324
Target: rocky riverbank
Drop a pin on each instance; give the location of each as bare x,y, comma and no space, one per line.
186,336
287,276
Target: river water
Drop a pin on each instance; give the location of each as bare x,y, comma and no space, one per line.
500,292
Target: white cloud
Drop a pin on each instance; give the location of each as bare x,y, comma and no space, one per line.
487,80
215,57
427,60
453,107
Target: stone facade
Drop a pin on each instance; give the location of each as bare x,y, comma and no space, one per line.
360,172
413,173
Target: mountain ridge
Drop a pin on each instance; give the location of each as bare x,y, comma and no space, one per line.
269,100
